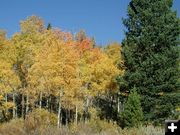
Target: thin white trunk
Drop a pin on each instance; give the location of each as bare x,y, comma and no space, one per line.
76,116
40,100
6,98
47,103
86,111
50,104
59,112
22,111
14,108
27,103
66,118
59,115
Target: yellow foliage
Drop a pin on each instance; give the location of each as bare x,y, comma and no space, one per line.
8,105
56,69
178,109
114,53
96,73
1,97
32,24
41,116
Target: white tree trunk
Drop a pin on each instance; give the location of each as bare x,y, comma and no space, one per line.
118,105
40,100
59,112
76,116
86,110
14,108
6,98
66,118
27,103
22,111
47,103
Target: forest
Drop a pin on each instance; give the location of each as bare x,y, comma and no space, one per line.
53,82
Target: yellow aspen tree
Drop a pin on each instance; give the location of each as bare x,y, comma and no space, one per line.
9,81
56,66
25,43
32,24
98,74
113,51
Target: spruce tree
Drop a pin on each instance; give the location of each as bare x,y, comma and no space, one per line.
132,116
151,54
49,27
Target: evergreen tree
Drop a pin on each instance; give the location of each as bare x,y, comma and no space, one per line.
151,54
49,27
93,42
132,116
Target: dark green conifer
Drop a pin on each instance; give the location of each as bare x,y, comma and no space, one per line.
151,55
132,116
49,27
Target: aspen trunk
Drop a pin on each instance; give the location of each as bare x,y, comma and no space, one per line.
76,116
59,112
22,111
111,106
40,101
47,103
66,118
14,108
6,98
59,115
16,112
86,110
27,103
69,115
50,104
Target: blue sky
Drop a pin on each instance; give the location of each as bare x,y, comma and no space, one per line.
99,18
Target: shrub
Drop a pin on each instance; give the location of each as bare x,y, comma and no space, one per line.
14,127
39,119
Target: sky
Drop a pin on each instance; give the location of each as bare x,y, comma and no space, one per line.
101,19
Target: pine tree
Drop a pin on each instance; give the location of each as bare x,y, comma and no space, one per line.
151,54
132,116
93,42
49,27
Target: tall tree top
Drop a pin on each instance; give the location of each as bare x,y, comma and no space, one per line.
32,24
2,34
80,36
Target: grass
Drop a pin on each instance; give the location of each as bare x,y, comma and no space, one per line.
93,127
42,122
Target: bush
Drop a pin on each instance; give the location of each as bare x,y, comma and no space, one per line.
39,119
94,127
14,127
149,130
42,122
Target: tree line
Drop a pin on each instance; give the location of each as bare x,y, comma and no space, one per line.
72,77
55,70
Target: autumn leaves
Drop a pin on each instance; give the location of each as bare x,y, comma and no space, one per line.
54,70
